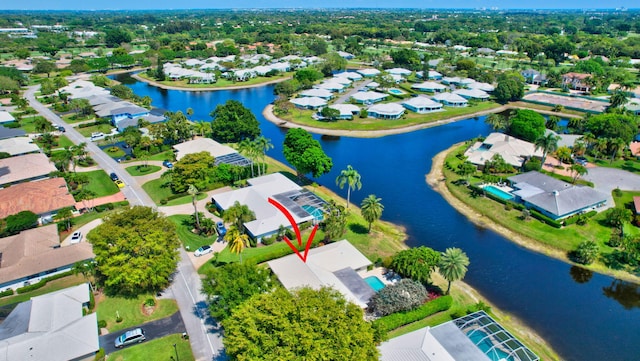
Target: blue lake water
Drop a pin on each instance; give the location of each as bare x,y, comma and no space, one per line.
584,316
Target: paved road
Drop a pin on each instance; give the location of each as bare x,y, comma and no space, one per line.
606,180
204,334
152,330
344,98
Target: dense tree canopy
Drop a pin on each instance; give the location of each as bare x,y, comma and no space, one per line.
305,153
527,125
416,263
195,169
613,126
303,325
136,251
233,122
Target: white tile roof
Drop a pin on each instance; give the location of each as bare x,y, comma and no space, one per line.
315,92
349,74
330,85
399,71
481,86
313,102
6,117
23,167
449,98
422,102
368,72
201,145
346,109
368,96
513,150
391,109
429,85
18,145
471,93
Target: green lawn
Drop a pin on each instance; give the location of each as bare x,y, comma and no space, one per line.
114,152
139,170
73,118
158,189
303,117
27,125
185,199
103,128
188,238
63,141
167,154
100,183
158,349
130,309
51,286
628,165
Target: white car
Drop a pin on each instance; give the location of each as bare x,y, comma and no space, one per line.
76,237
202,251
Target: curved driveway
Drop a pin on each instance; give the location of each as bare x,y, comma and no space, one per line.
606,180
205,334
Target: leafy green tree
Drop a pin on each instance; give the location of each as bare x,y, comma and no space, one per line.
303,325
416,263
586,252
466,169
509,89
406,57
18,222
527,125
330,113
404,295
577,171
136,251
497,165
307,75
238,214
351,178
116,36
305,153
65,215
334,223
617,217
233,122
563,154
548,143
453,265
610,125
8,85
193,169
371,209
229,286
44,67
122,91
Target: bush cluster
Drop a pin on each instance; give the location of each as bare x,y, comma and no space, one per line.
6,293
43,282
404,295
393,321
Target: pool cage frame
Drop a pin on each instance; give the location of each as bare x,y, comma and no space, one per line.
499,337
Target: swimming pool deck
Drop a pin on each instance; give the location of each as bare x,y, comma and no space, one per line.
380,273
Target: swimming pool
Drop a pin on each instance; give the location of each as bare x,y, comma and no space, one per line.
375,283
396,91
499,192
314,211
481,340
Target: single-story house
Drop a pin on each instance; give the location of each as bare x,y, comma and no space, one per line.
308,102
514,151
429,86
432,74
450,99
347,111
281,67
194,63
345,55
319,93
221,153
23,168
333,265
485,87
451,80
134,122
369,72
472,94
485,51
554,198
474,337
421,105
564,140
371,86
303,205
51,327
349,75
31,255
17,145
127,112
331,86
6,133
6,117
44,198
368,97
386,111
399,71
341,80
83,89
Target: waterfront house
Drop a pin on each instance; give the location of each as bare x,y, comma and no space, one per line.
451,100
220,152
422,105
347,111
308,102
476,94
386,111
514,151
368,97
319,93
429,86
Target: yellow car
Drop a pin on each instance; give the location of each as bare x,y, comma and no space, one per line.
119,183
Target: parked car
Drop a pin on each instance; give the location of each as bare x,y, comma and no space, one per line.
222,230
119,183
97,135
202,251
61,129
76,237
114,177
581,160
133,336
167,164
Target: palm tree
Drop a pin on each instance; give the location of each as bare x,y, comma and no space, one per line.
64,215
601,146
351,177
238,214
453,265
193,192
371,209
548,143
237,241
618,99
263,145
588,138
616,145
248,149
497,121
189,112
577,171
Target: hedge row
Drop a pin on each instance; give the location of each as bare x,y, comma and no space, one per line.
393,321
574,219
43,282
541,217
6,293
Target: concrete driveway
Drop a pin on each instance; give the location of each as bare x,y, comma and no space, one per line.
84,229
152,330
606,180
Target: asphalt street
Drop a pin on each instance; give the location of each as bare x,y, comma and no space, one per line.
205,334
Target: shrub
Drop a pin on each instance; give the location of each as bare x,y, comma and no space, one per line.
480,306
268,240
5,293
118,319
617,193
92,301
100,355
541,217
586,253
43,282
150,302
102,323
404,295
393,321
18,222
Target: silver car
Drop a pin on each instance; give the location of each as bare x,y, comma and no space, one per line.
133,336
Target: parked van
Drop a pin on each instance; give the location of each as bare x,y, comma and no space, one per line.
97,135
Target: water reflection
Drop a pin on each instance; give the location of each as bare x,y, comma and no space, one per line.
580,275
627,294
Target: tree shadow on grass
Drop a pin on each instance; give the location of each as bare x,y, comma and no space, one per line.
358,228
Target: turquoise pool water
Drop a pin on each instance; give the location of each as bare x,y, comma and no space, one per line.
499,192
485,344
375,283
314,211
396,91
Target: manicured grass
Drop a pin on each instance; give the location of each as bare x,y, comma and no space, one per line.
303,117
103,128
158,349
74,118
188,238
27,125
63,141
184,200
130,309
114,152
139,170
158,189
628,165
167,154
100,183
522,104
51,286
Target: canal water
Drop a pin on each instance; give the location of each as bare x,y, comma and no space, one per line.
584,316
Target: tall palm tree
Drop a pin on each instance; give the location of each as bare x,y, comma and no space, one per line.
618,99
237,241
453,265
371,209
193,192
548,143
238,214
616,145
263,145
247,148
496,121
351,177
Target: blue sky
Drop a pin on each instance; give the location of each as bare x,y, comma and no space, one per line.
220,4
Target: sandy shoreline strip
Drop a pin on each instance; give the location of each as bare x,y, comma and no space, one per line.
234,87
